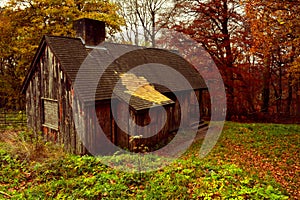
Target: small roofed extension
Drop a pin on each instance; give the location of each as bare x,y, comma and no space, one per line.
73,105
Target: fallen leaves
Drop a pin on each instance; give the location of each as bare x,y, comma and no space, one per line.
265,154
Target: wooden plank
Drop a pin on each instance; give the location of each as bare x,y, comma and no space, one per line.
132,130
113,129
122,116
103,114
71,122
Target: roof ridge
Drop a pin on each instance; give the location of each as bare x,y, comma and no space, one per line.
65,37
132,45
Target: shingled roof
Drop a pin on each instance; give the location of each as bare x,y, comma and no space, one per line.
111,61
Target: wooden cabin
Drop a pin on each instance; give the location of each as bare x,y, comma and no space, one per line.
76,116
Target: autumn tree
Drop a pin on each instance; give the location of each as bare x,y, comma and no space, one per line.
275,29
294,73
218,26
144,19
23,22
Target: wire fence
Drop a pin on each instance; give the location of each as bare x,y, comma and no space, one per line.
12,117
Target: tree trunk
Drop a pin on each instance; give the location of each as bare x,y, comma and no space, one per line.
266,86
229,65
280,92
298,101
290,97
153,30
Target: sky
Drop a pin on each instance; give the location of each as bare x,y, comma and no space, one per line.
2,2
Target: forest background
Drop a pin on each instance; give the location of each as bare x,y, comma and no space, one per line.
255,44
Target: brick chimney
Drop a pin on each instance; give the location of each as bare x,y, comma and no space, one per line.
90,30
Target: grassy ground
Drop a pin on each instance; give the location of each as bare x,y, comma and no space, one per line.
250,161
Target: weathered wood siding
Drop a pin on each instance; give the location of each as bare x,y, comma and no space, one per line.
122,135
158,127
173,119
186,113
33,103
50,83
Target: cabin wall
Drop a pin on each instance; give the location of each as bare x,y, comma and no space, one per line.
121,138
97,124
33,103
108,124
205,110
157,129
187,112
49,99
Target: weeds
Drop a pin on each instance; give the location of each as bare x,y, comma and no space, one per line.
237,168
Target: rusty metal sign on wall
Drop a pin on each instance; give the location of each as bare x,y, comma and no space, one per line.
51,113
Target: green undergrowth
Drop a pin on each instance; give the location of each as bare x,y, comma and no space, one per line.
86,177
226,173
